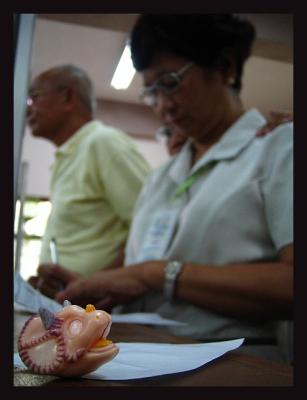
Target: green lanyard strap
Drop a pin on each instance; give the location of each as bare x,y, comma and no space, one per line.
189,182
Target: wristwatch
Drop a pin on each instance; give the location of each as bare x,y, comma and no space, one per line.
171,271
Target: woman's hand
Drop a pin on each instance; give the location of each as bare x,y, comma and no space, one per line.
105,289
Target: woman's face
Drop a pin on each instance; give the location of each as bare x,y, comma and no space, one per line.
175,142
199,103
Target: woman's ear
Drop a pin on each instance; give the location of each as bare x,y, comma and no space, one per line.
229,70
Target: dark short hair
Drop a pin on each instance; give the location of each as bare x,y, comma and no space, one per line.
209,40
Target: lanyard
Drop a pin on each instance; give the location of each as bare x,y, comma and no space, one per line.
184,186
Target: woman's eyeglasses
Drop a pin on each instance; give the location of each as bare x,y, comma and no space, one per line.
166,84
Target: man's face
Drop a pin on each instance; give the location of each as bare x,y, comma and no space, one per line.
45,112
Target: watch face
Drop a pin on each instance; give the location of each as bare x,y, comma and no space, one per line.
172,269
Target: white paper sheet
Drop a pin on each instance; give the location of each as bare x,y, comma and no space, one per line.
144,360
28,299
145,318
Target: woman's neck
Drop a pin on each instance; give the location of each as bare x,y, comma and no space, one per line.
200,147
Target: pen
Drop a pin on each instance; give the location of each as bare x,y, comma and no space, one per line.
55,257
54,251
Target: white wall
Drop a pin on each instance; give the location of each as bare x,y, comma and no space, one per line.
267,85
154,152
38,153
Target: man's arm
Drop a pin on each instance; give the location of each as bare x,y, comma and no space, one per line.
118,261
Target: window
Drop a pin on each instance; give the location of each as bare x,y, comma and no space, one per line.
28,232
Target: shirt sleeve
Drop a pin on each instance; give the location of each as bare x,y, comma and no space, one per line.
278,187
126,175
122,170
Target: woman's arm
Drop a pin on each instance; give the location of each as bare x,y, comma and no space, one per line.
237,290
241,290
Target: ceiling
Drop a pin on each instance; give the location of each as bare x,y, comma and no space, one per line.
95,42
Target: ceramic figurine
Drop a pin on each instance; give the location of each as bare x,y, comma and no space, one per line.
71,342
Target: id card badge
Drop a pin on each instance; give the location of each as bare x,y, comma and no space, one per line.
159,234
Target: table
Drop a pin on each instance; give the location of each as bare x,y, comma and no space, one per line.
232,369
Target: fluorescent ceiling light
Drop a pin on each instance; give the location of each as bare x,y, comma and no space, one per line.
124,72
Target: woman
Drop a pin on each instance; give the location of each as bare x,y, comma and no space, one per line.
211,240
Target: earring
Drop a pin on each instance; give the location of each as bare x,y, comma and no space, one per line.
231,81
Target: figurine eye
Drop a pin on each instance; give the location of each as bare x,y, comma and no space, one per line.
75,327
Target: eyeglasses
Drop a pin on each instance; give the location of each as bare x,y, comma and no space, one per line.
34,96
163,133
166,84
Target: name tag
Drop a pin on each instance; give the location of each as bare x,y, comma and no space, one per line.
158,236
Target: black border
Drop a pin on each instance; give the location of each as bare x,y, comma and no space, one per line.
143,6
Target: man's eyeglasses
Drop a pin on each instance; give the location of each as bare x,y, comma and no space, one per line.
166,84
35,96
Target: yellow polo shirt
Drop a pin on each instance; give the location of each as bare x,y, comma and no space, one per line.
96,178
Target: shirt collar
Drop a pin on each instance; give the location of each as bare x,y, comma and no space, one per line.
69,146
234,140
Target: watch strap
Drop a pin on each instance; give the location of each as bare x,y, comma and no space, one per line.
172,270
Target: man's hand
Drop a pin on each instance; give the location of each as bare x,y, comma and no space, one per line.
51,278
276,118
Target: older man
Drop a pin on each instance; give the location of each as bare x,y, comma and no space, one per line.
96,177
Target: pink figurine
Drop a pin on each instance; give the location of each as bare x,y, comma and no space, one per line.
71,342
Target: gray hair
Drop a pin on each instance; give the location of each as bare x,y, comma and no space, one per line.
79,80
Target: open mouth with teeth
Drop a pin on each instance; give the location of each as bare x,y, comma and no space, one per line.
103,344
104,350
